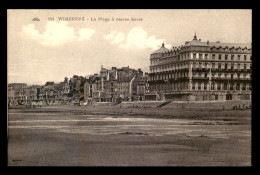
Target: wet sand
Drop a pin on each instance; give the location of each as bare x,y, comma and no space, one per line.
102,136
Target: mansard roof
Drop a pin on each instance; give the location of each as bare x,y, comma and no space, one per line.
196,42
230,45
161,50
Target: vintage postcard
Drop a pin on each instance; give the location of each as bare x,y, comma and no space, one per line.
135,87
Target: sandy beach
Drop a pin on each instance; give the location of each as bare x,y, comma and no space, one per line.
113,136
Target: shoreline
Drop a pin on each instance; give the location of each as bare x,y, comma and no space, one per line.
161,113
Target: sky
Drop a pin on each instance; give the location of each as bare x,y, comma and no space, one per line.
51,49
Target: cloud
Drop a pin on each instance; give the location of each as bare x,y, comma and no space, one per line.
119,37
115,37
136,38
110,36
30,30
56,34
85,34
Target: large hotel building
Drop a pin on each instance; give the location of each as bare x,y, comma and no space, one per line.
201,71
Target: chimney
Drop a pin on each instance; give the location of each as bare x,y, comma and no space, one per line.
199,39
208,42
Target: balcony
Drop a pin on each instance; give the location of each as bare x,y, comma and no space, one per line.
200,69
200,78
220,78
183,78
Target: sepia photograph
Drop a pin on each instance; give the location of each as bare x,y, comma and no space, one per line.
129,87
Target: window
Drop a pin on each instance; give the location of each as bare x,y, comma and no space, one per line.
238,75
251,57
250,87
212,86
205,86
200,56
226,57
193,86
232,66
225,86
238,57
219,66
232,57
231,87
213,56
219,56
245,57
199,86
238,87
244,66
206,56
219,86
238,66
194,56
244,86
226,65
213,65
219,74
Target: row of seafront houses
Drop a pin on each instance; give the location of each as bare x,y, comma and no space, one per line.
196,71
115,85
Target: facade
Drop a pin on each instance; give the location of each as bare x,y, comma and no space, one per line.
65,89
49,92
116,85
34,92
77,89
201,71
97,88
17,92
